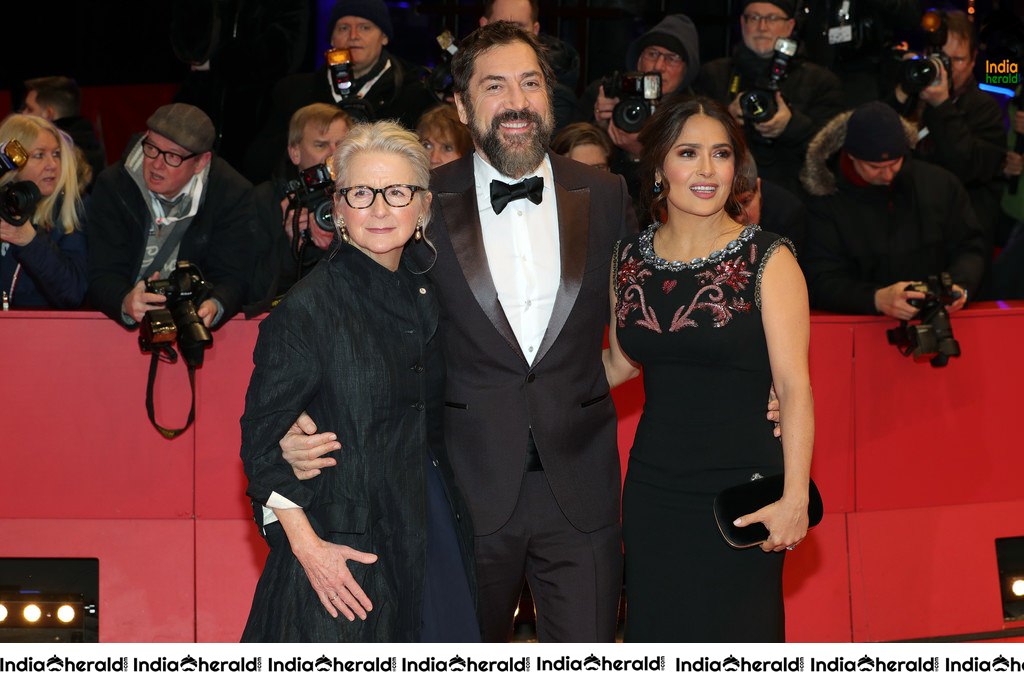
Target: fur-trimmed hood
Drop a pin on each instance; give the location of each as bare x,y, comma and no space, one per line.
817,176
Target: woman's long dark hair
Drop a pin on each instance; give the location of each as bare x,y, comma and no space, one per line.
659,135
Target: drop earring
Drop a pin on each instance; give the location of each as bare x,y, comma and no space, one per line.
342,232
657,187
418,235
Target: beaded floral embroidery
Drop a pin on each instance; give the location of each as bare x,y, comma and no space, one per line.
720,273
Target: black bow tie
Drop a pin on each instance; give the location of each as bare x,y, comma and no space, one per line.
502,193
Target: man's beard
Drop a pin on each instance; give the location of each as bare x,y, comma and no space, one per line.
522,154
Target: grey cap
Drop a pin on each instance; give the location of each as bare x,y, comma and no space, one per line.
184,125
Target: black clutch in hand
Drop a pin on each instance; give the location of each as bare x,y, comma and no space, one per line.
737,501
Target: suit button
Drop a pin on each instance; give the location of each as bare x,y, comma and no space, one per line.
418,405
530,378
417,368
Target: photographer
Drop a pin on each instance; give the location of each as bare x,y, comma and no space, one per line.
880,219
42,261
384,86
805,95
169,199
962,127
285,255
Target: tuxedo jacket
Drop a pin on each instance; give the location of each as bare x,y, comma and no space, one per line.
494,397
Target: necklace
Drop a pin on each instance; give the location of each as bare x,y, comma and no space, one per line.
646,244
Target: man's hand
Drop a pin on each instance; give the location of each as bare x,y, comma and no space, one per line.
1014,164
304,449
938,92
18,235
894,301
138,301
603,108
736,110
207,311
628,142
959,302
773,127
320,238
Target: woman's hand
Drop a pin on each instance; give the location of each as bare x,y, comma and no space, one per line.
326,568
786,520
18,235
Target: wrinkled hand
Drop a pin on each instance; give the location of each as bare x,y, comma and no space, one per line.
786,521
138,301
774,127
326,568
893,301
1014,164
18,235
938,92
603,107
628,142
774,415
304,449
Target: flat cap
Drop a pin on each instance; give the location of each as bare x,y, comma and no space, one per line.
184,125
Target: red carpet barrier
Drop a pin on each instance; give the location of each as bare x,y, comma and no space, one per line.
920,469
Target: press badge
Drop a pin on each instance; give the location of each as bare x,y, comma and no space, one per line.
840,34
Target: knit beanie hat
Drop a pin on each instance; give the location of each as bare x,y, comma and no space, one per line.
374,10
875,133
788,7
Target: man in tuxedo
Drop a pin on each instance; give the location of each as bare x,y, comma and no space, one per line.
523,241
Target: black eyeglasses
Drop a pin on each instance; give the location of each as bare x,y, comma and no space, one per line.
172,159
362,197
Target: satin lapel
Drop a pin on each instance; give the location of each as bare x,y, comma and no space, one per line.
573,234
463,221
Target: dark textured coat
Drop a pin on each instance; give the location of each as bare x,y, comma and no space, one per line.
219,240
861,239
493,396
53,269
358,348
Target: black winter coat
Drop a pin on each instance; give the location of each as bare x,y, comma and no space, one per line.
358,348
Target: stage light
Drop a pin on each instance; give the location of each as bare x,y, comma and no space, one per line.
66,613
32,613
1017,587
3,613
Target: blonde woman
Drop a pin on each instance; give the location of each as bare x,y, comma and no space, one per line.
43,260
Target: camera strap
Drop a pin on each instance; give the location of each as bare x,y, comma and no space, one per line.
161,352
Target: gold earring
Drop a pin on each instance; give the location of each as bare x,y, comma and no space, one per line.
342,232
418,235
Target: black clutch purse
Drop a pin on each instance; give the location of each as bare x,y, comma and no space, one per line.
736,501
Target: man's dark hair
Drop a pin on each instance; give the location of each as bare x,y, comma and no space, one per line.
59,92
957,22
493,35
534,9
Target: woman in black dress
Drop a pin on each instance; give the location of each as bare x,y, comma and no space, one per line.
714,312
376,547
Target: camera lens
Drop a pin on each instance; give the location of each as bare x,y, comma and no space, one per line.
917,74
629,115
323,216
758,105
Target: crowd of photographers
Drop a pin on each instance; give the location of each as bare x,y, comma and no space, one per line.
889,168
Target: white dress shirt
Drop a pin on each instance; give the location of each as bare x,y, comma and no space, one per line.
522,253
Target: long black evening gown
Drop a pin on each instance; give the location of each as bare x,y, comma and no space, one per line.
696,329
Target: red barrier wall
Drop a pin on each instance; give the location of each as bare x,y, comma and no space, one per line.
918,467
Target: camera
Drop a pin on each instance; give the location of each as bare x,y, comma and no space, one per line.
758,104
637,93
339,65
920,71
932,339
440,81
314,190
184,289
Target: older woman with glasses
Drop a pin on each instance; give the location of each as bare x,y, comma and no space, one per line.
42,260
378,548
